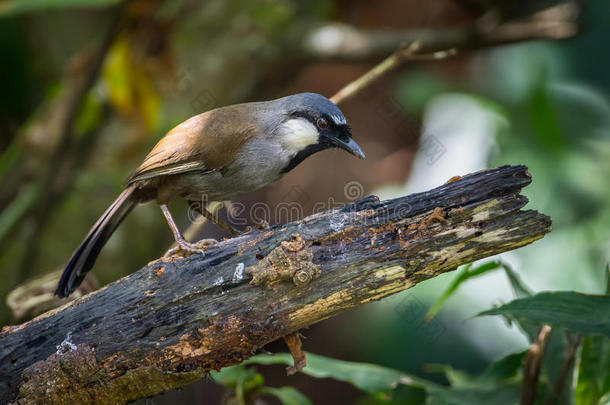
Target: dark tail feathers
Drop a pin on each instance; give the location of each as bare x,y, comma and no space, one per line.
84,256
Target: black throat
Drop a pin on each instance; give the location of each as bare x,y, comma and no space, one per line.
302,155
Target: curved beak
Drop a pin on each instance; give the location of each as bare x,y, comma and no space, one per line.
349,146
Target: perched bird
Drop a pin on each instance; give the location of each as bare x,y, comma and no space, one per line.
216,156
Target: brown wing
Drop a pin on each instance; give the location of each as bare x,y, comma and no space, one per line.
205,142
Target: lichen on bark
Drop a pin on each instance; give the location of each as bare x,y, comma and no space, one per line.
291,260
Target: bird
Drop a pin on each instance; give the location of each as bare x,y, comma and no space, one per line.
218,155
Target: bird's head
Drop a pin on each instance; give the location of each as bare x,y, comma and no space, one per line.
312,123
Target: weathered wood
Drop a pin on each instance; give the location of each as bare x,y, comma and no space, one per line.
168,323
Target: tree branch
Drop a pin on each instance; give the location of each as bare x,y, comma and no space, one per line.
342,42
566,368
177,318
533,365
557,22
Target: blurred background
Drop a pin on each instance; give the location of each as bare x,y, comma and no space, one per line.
89,87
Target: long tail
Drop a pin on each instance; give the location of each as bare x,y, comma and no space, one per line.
84,256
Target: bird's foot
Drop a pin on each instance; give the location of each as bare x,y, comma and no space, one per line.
185,248
261,225
236,232
227,227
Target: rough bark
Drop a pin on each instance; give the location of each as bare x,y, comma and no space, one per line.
170,322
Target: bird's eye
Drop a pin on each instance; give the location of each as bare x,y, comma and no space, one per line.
322,123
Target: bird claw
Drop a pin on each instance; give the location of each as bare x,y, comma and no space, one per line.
261,225
236,232
204,243
185,248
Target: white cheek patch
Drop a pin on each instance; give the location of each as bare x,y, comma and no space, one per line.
297,134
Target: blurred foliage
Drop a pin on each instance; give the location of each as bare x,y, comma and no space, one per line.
14,7
14,109
583,314
593,374
559,126
175,59
371,378
130,89
593,382
500,382
245,385
150,78
464,273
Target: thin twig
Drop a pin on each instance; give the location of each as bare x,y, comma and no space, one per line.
403,54
533,364
293,341
552,23
567,364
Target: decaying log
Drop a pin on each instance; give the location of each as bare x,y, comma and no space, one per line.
170,322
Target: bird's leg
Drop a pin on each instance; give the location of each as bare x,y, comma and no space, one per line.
261,225
183,244
220,223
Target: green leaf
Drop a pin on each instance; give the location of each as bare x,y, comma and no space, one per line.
553,364
519,288
14,7
497,373
416,89
456,378
401,396
370,378
381,381
498,385
231,376
18,208
286,395
507,394
240,379
9,158
464,274
593,383
90,113
587,315
608,279
129,86
543,117
459,278
505,368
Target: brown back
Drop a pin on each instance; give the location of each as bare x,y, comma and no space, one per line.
207,141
